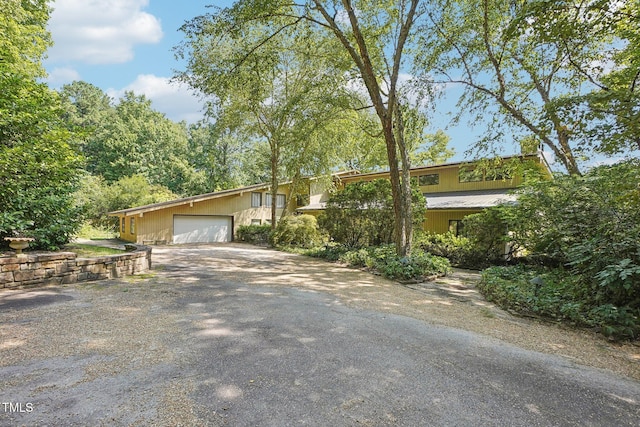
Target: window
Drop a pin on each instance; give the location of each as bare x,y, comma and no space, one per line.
497,175
431,179
281,200
256,222
470,175
123,225
455,226
302,200
256,200
132,225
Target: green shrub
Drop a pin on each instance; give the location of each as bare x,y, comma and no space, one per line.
559,295
361,214
256,234
384,259
459,250
298,231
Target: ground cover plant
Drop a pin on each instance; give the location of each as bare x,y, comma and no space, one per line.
580,236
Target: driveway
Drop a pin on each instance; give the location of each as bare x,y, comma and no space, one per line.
235,335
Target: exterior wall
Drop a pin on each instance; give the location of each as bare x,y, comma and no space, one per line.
156,227
63,267
437,221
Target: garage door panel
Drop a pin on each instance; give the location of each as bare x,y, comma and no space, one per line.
201,229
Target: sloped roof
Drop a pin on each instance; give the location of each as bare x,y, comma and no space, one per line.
476,199
207,196
187,200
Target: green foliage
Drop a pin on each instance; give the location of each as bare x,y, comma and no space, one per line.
38,163
256,234
96,197
558,295
298,230
459,250
418,266
362,214
581,235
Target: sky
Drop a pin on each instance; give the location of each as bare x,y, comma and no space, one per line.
126,45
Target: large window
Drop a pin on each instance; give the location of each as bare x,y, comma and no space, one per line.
497,175
132,226
470,175
123,225
281,200
430,179
256,200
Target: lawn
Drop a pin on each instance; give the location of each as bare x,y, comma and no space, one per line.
89,251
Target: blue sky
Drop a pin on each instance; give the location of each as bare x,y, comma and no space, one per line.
121,45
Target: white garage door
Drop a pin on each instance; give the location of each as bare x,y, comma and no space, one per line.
201,229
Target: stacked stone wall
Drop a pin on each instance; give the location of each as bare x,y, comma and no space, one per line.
42,269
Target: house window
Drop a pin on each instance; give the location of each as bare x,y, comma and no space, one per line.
497,175
455,226
281,200
302,200
256,200
132,225
430,179
123,225
470,175
256,222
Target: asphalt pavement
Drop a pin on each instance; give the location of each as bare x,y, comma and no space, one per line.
206,339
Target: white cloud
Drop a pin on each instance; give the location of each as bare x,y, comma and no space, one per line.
175,100
61,76
100,31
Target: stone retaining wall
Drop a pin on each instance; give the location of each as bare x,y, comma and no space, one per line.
41,269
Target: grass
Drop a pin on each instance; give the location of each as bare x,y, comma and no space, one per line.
90,251
87,231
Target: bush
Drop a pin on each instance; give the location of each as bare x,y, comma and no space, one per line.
556,294
256,234
298,231
361,214
459,250
384,260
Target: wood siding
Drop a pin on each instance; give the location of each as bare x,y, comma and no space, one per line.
157,226
437,221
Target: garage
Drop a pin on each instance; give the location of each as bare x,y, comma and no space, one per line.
202,228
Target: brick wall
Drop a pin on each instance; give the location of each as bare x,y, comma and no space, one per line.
41,269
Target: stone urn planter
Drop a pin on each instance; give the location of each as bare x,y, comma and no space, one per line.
19,243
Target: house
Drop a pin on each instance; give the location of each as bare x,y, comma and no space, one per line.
455,190
211,217
452,190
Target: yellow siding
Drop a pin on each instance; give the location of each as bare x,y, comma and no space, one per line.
437,221
157,226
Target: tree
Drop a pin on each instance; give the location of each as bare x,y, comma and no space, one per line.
371,40
140,140
361,214
220,152
282,95
97,198
39,164
530,65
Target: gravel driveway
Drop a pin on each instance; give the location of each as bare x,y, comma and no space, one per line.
238,335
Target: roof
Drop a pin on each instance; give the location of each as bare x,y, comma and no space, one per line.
187,200
415,170
476,199
207,196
